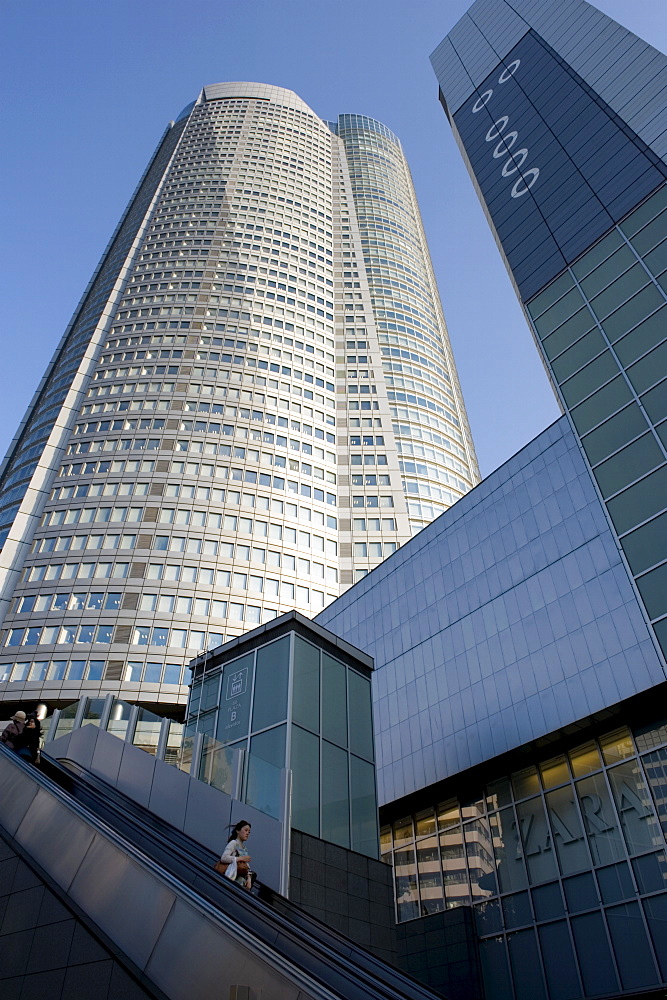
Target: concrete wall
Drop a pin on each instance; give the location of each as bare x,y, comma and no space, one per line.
348,891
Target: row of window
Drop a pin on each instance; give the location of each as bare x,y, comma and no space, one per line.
166,338
115,444
431,490
120,424
196,406
137,371
244,413
374,550
129,388
89,515
204,470
143,635
92,670
433,472
368,459
267,437
142,355
186,491
247,525
76,571
65,543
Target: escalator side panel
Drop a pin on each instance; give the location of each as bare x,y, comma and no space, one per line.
56,838
15,793
134,904
218,968
127,902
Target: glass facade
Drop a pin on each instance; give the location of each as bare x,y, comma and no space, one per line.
571,170
564,863
603,328
554,164
510,616
206,459
295,702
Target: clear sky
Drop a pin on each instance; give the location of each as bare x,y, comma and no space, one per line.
88,88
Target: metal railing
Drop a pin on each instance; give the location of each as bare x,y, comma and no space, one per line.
244,776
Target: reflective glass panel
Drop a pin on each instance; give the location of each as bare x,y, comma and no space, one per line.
592,947
508,851
604,837
430,876
335,802
305,760
559,963
495,970
655,909
119,718
536,841
235,697
481,863
334,701
631,947
271,682
363,807
568,835
651,872
525,963
615,883
405,875
306,688
454,869
635,808
361,722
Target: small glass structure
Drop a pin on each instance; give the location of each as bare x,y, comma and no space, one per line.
292,695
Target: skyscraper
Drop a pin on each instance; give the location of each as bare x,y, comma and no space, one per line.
254,404
560,115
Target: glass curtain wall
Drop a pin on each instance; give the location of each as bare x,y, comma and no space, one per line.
564,863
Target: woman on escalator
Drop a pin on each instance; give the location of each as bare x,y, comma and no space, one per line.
236,857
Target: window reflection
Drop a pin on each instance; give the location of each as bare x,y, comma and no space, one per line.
638,823
596,808
405,874
604,837
454,869
481,864
430,876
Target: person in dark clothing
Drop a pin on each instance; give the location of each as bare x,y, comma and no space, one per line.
26,744
11,732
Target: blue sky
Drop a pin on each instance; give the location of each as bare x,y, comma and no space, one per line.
87,91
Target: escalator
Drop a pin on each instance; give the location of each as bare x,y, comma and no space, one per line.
150,889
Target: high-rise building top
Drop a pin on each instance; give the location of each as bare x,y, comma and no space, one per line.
255,404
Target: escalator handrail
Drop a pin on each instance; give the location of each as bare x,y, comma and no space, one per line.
341,955
202,856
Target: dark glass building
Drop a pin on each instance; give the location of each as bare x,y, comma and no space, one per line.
561,117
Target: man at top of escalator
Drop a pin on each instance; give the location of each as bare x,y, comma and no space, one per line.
11,732
27,743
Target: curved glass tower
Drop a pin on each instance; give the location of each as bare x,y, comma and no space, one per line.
435,452
254,404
